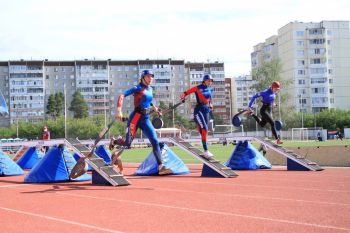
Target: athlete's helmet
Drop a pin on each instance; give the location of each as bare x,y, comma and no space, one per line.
207,77
276,84
147,72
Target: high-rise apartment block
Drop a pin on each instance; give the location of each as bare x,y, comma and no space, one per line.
244,91
27,84
316,57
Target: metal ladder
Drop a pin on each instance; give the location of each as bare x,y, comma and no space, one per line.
98,164
290,154
212,163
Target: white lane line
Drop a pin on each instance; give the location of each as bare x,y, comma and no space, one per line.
258,186
210,212
237,195
60,220
12,185
249,196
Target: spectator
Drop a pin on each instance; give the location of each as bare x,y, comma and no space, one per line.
45,136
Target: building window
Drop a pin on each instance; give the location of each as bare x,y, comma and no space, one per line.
331,91
315,61
300,43
301,62
300,53
301,81
317,31
301,72
299,33
316,41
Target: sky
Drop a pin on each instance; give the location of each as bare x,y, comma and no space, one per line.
193,30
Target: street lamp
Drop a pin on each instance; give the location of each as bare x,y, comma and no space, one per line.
302,111
65,110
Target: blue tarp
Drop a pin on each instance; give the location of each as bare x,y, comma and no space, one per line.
104,153
247,157
8,167
30,158
54,167
150,167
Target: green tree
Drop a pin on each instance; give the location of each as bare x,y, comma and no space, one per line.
180,121
55,105
59,106
78,106
51,106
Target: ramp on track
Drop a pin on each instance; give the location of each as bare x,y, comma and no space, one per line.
20,152
307,164
98,164
211,163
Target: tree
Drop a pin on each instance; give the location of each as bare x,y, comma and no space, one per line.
55,105
51,106
59,98
266,74
78,106
179,121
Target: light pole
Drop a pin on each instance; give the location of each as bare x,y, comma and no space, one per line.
17,125
302,111
105,110
174,113
279,111
230,103
65,110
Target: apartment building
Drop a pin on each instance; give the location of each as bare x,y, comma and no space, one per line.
231,99
26,91
27,85
316,57
244,91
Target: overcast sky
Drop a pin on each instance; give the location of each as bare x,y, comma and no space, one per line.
194,30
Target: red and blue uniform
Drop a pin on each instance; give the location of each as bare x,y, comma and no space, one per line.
139,118
202,110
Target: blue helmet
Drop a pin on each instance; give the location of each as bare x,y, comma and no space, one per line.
207,77
147,72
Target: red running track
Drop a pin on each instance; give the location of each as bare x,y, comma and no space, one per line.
257,201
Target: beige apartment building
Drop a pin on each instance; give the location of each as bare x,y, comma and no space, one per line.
243,91
27,84
316,57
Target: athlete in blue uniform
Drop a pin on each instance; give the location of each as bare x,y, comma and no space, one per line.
202,109
268,98
139,118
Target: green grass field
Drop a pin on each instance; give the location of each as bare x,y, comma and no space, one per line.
137,155
221,153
